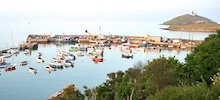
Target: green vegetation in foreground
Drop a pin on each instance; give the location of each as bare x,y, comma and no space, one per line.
195,27
164,78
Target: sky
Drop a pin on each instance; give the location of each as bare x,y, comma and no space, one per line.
106,9
125,17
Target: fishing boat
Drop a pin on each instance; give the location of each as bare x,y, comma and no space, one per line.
22,63
32,70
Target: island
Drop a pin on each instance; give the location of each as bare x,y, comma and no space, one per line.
191,22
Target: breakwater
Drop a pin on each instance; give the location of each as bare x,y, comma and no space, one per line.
133,41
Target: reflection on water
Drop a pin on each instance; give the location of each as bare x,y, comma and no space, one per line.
21,82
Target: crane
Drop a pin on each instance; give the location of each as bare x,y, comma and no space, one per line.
92,36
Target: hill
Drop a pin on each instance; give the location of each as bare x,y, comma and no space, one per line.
189,19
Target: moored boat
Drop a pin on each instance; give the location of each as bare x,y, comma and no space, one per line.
39,59
56,64
48,68
97,59
10,67
39,54
68,63
71,57
32,70
22,63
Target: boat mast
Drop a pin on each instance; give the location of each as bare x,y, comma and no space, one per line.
99,33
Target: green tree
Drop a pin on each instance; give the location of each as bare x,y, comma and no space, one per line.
160,73
194,92
204,61
70,93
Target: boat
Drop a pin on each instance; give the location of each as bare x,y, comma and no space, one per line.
64,53
134,46
80,53
68,63
23,63
49,69
26,51
66,40
7,55
2,61
39,54
13,51
71,57
56,64
32,70
10,67
126,44
127,55
97,59
74,48
39,59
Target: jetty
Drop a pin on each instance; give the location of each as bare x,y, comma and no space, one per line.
135,41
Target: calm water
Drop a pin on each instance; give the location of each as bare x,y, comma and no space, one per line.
20,84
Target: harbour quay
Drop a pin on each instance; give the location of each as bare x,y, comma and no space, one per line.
132,41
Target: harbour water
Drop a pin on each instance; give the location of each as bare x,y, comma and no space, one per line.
20,84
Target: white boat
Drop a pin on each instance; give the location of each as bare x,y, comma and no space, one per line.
64,53
26,51
39,59
80,53
68,63
56,64
127,53
7,55
71,57
32,70
49,69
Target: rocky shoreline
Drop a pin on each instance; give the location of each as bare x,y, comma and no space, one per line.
194,28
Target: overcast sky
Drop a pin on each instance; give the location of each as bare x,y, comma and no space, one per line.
110,8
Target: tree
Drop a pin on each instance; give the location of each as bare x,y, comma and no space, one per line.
204,61
70,93
160,73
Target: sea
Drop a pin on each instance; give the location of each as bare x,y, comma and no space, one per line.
20,84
